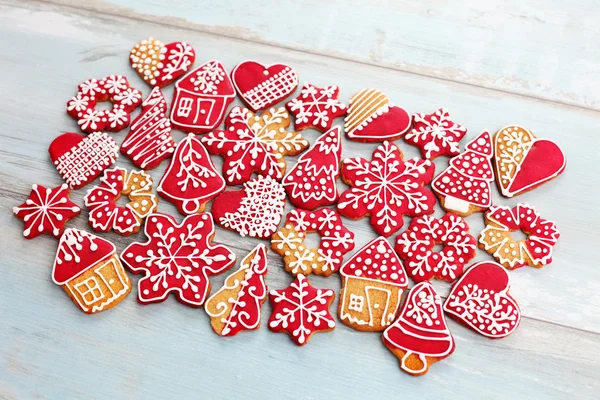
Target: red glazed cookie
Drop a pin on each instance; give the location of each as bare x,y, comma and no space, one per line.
301,310
80,159
386,188
177,258
253,143
311,183
201,98
420,336
480,300
254,211
149,141
101,201
261,86
496,238
416,247
160,64
436,134
336,241
46,211
465,186
524,162
191,179
372,118
237,305
115,88
316,107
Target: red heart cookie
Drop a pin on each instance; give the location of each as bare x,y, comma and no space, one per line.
524,162
262,86
480,300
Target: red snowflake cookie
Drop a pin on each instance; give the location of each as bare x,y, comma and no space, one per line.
436,134
316,107
415,246
160,64
177,258
46,211
386,188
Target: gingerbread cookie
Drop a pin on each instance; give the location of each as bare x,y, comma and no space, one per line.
372,284
191,179
115,88
46,211
101,201
149,141
420,336
336,241
261,86
253,143
88,269
81,159
160,64
386,188
496,238
416,247
254,211
524,162
301,310
480,300
465,186
177,258
436,134
372,118
237,305
201,98
316,107
311,183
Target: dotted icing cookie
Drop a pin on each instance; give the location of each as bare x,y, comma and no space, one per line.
159,64
436,134
316,107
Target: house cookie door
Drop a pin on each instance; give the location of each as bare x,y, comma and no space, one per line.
378,301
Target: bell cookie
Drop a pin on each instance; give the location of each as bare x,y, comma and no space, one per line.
316,107
436,134
160,64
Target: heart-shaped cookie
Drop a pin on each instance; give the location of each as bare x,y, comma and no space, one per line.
262,86
480,300
160,64
372,118
524,162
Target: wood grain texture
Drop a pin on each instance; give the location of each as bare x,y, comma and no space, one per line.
50,349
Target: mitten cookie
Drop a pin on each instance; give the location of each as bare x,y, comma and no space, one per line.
316,107
160,64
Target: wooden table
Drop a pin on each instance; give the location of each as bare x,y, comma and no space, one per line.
492,63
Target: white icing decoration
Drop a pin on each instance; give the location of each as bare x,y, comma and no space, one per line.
314,104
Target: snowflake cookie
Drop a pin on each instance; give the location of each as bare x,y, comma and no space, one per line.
496,238
436,134
336,241
254,211
253,143
301,310
316,107
177,258
160,64
480,300
416,247
237,305
46,211
386,188
115,88
101,201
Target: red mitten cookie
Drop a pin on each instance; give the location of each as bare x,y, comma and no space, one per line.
177,258
159,64
436,134
316,107
201,98
480,300
46,211
311,183
301,310
386,188
149,141
254,211
261,86
420,336
372,118
80,159
191,179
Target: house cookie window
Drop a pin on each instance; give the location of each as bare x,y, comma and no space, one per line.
90,290
356,303
185,107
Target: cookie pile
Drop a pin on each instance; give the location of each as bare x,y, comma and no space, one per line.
178,258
